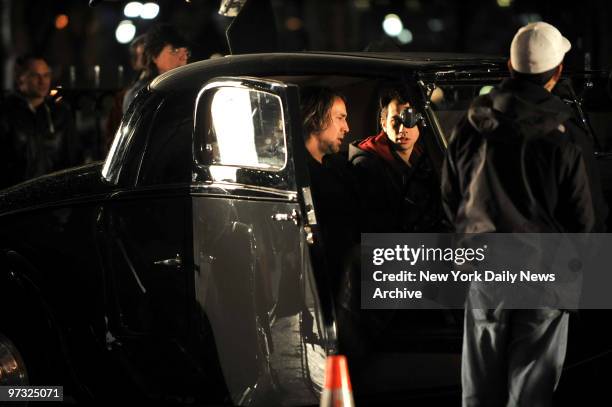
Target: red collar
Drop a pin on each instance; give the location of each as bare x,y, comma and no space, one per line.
381,146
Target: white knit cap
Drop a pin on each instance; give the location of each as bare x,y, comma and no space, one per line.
537,47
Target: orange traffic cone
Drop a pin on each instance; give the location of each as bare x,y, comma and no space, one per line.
338,391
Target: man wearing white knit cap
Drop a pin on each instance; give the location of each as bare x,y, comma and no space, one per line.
514,165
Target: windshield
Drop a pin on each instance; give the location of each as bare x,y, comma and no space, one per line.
141,107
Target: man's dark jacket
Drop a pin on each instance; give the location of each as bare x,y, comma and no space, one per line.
396,197
513,165
336,199
35,142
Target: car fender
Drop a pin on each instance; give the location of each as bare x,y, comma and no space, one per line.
29,316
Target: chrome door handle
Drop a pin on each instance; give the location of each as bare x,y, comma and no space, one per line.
176,262
284,217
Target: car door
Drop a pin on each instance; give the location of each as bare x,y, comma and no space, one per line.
147,251
255,287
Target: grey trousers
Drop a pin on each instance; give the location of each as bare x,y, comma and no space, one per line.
512,357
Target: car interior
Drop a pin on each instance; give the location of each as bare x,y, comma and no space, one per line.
428,341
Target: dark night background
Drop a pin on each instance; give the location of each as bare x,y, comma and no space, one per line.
90,64
484,27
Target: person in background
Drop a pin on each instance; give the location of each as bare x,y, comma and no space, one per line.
37,133
164,49
137,55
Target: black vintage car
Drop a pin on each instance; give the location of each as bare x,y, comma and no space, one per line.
187,267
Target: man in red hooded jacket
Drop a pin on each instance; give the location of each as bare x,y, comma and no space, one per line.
400,187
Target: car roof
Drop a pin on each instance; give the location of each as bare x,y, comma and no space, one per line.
368,64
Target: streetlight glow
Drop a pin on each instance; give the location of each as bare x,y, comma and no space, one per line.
133,9
149,11
392,25
125,32
405,37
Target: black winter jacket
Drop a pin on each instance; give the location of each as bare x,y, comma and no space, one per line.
513,166
35,142
336,199
396,197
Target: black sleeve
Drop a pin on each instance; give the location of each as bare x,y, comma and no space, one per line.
378,214
450,186
575,192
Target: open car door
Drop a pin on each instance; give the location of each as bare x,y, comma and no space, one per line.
257,294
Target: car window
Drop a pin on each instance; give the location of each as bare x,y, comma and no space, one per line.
168,155
246,129
134,127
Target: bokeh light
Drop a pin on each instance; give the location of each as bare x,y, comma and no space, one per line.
61,21
133,9
125,32
405,37
149,11
392,25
